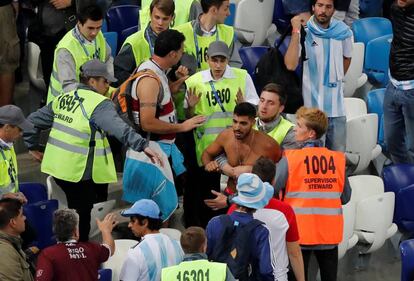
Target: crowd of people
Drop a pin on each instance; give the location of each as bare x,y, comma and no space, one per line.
177,111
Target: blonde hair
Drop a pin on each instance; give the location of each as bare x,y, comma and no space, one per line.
315,119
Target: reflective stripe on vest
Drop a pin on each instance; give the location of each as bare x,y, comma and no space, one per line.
225,34
182,12
8,164
70,140
139,45
70,43
314,192
217,120
202,269
280,131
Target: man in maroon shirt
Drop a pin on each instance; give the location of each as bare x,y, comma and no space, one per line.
70,259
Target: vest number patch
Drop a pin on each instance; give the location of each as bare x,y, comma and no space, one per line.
70,103
223,94
319,164
202,55
194,275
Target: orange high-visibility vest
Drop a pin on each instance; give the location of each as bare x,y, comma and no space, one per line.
314,187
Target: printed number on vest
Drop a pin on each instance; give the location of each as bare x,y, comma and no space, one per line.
223,94
202,55
319,164
69,103
193,275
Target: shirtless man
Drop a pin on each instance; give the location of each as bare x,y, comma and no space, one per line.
242,144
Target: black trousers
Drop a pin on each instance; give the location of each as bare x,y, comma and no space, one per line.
81,196
327,261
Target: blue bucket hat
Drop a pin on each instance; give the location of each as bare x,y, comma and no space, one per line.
252,192
145,208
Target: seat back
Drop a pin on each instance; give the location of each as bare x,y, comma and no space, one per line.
253,20
172,233
34,66
375,102
354,78
404,209
398,176
122,17
377,59
105,274
348,212
125,33
99,211
54,191
33,191
365,186
116,261
230,19
112,40
354,107
40,217
407,260
361,139
250,56
367,29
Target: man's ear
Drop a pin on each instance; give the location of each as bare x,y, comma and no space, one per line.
281,108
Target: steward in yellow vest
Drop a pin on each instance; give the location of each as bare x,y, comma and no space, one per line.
214,93
12,123
315,185
185,11
77,153
195,264
139,46
81,44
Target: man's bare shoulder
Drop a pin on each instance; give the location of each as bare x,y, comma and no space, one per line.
226,135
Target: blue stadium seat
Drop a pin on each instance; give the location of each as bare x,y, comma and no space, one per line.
112,40
122,17
104,27
370,8
375,101
397,176
250,56
376,64
105,274
370,28
280,19
33,191
407,260
404,209
125,33
40,216
230,19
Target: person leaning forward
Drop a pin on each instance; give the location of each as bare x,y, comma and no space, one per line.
80,121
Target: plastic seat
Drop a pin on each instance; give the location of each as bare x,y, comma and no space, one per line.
250,56
230,19
172,233
34,192
370,28
377,54
354,78
125,33
404,209
104,27
398,176
34,66
253,22
112,40
354,107
105,274
370,8
375,101
54,191
407,260
117,260
364,186
361,139
349,237
122,17
40,216
373,223
99,211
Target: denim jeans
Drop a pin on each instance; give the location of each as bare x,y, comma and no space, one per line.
296,7
335,137
399,124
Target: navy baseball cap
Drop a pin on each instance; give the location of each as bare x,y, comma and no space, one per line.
144,207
